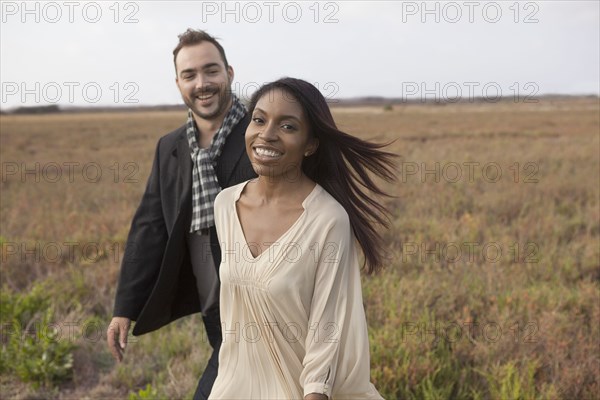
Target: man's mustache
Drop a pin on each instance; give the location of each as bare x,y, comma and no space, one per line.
207,90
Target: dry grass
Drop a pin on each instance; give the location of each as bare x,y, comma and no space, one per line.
521,324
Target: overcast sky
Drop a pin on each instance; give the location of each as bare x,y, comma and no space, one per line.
109,53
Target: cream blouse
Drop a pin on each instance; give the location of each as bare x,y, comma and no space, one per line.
292,317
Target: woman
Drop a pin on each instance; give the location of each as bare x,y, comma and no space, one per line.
291,304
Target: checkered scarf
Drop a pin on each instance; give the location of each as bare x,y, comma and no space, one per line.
205,186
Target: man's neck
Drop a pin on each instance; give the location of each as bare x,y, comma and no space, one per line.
208,127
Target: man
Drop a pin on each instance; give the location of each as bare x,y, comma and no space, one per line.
168,269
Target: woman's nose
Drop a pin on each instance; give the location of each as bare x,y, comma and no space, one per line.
268,133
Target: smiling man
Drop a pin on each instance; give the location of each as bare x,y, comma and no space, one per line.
170,265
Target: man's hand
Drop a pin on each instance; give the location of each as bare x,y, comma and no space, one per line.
118,329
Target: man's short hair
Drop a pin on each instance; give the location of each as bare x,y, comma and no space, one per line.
192,37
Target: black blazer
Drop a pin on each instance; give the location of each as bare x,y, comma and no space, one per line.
156,284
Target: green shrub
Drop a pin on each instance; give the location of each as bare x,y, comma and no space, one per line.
147,393
508,382
31,348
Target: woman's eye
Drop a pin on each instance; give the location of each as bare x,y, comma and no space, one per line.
288,127
257,120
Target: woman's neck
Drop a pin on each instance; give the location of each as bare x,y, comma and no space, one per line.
273,190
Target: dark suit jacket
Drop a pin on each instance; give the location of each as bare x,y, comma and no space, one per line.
157,285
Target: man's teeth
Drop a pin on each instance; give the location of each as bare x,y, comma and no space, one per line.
206,96
265,152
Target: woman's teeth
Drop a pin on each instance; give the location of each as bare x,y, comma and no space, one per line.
266,153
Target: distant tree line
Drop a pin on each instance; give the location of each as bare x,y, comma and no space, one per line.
35,110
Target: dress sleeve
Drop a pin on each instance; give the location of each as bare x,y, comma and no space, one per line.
220,206
337,349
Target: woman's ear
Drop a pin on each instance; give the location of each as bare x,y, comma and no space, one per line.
311,147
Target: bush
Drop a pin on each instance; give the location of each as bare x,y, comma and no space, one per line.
31,349
148,393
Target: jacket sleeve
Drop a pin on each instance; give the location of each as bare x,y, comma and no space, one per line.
144,250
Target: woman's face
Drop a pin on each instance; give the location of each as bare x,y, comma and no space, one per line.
278,137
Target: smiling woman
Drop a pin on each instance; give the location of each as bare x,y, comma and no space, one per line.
291,301
278,137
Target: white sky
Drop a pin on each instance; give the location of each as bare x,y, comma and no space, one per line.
392,49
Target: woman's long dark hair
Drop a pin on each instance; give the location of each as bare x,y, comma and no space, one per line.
341,165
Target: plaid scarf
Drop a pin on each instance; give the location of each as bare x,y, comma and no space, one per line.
205,186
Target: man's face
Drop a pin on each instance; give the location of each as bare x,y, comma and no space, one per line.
203,80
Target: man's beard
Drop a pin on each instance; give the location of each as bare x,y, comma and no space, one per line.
223,98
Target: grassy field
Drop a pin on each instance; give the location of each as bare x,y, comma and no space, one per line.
492,289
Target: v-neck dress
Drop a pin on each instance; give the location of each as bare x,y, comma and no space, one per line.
293,319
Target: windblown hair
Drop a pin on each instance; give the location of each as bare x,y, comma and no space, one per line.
341,165
192,37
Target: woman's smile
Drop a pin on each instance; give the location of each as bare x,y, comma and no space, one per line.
266,153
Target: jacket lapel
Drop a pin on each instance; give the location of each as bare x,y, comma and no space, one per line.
234,150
